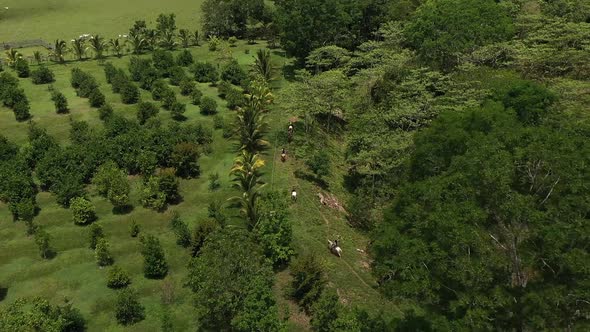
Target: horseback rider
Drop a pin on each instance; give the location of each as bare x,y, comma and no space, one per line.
283,155
290,131
293,195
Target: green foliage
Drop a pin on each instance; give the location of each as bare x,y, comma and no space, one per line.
111,182
187,87
168,99
273,230
214,183
145,111
117,277
441,30
95,233
21,110
177,74
129,93
102,253
163,62
222,88
327,58
530,100
43,242
42,75
83,82
309,280
105,112
185,159
151,195
319,163
181,231
200,233
208,105
215,210
232,41
22,68
60,102
325,311
128,310
134,229
177,110
196,96
262,66
37,314
159,88
82,210
232,72
205,72
232,284
154,260
229,18
96,98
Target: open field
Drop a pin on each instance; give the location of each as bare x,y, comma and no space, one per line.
65,19
73,273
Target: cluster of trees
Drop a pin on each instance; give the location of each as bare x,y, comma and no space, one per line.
14,97
37,314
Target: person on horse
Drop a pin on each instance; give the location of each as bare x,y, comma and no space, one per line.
293,195
283,155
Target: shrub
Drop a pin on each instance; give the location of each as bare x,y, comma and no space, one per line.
119,80
185,159
154,264
42,239
102,253
163,61
319,163
21,110
158,89
70,186
215,211
146,110
138,67
76,77
214,181
222,88
218,121
22,68
42,75
168,99
208,106
84,83
177,110
134,229
309,280
96,98
235,98
60,102
168,184
205,72
82,211
95,233
200,233
184,58
233,73
151,195
177,74
232,41
110,72
187,86
213,43
129,93
148,77
325,311
117,278
196,96
183,235
105,112
128,310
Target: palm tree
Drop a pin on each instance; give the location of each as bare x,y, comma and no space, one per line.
137,41
59,51
185,37
116,47
246,173
38,57
79,48
196,37
151,39
168,40
98,45
12,56
262,64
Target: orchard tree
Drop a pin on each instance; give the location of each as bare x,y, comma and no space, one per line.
82,210
185,159
102,253
95,233
154,260
128,310
117,277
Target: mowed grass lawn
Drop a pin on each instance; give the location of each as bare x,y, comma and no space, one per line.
65,19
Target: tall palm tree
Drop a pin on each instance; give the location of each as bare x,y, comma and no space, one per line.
185,37
137,41
168,40
116,47
59,51
246,173
196,37
98,45
262,65
79,48
12,56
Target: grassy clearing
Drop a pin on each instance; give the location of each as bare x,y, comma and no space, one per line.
73,273
65,19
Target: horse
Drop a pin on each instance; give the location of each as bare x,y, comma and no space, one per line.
334,248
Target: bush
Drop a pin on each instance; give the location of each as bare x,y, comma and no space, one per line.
232,41
319,163
119,80
129,93
177,110
213,43
69,187
95,233
138,67
110,72
117,278
163,61
151,195
42,75
105,112
146,110
22,68
168,99
233,73
177,74
202,230
222,88
159,88
60,102
168,184
134,229
205,72
148,77
183,235
82,211
235,98
309,280
325,311
96,98
218,121
196,96
42,239
128,310
208,106
155,265
184,58
187,87
102,253
84,82
21,110
185,158
214,181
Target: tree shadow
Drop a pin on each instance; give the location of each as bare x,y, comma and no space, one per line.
312,178
51,254
3,293
120,210
180,118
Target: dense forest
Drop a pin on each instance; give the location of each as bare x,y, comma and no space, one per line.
458,131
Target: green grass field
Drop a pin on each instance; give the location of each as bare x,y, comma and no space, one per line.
65,19
73,273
